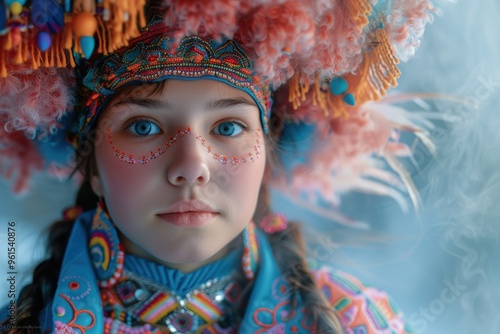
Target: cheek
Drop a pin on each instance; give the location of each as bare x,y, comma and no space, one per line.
241,184
123,183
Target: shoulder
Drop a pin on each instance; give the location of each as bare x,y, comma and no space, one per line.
362,309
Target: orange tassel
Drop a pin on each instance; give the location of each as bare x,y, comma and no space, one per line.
37,57
126,20
297,91
321,98
25,49
32,53
45,59
68,32
118,28
142,16
3,67
8,41
71,59
19,54
378,72
100,36
52,60
360,10
64,59
77,48
61,59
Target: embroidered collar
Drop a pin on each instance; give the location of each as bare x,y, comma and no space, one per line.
137,303
77,305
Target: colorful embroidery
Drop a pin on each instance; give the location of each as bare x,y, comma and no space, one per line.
203,309
250,252
361,309
105,249
79,286
76,314
155,308
272,320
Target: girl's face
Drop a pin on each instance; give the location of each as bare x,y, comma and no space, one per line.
143,123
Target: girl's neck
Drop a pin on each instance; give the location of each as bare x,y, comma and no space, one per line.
185,268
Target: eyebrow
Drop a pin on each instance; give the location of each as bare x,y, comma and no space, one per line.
229,103
212,105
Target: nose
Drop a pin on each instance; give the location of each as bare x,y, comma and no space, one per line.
188,162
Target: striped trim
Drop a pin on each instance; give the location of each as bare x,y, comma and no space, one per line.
250,257
203,306
158,306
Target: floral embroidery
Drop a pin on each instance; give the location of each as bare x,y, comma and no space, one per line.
68,328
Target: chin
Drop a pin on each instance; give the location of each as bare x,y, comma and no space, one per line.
181,255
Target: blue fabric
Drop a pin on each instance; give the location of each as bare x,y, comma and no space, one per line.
77,267
175,279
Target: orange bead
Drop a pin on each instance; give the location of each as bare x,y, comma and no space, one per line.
84,24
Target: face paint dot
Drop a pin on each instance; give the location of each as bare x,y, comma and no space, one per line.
74,285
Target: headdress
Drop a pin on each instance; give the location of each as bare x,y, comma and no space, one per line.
318,66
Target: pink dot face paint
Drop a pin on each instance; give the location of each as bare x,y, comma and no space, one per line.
191,140
131,152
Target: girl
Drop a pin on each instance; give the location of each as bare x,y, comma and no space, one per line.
182,125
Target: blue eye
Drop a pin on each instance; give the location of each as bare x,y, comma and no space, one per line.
227,128
144,127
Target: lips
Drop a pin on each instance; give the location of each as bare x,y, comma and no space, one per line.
189,206
188,219
192,213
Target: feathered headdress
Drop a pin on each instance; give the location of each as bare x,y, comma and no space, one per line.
319,66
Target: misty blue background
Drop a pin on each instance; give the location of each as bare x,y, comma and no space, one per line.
441,264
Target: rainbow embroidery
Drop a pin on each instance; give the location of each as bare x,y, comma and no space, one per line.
159,305
207,309
100,249
105,249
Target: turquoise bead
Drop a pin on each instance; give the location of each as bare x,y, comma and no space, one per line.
338,86
349,99
88,44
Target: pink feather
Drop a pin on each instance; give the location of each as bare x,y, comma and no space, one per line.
34,102
19,157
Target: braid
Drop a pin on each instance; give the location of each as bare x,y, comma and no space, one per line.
35,296
289,250
288,246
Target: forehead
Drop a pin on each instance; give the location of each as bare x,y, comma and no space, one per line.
191,98
184,92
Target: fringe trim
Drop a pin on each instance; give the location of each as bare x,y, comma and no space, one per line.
378,71
297,91
120,22
359,9
375,75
